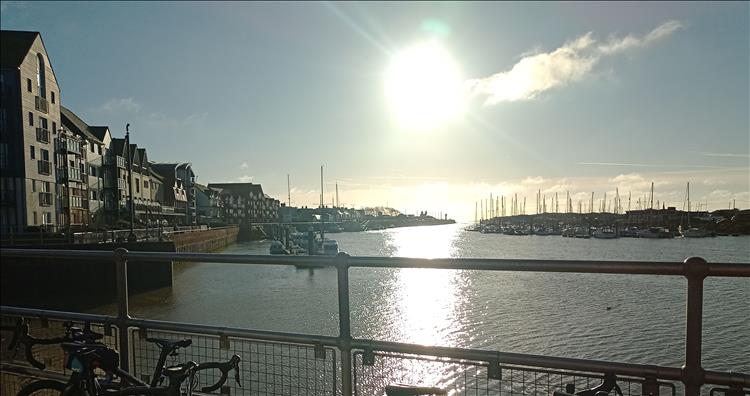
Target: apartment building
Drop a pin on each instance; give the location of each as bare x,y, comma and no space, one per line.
95,141
245,203
178,193
29,121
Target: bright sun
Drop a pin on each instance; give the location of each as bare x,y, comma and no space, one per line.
424,88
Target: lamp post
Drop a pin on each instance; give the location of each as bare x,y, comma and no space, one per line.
131,235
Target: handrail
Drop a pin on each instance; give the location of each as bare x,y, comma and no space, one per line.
521,265
694,269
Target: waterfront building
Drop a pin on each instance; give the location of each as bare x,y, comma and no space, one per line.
178,192
210,205
29,117
245,203
94,145
72,181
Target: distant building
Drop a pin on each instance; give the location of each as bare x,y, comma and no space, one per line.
29,119
245,203
209,205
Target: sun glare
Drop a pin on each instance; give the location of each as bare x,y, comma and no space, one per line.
424,87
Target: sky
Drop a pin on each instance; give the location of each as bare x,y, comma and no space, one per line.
419,106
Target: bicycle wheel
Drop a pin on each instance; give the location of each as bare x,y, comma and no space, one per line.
43,388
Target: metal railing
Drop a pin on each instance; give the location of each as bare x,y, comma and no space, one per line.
355,355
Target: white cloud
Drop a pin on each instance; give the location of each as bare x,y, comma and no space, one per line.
615,45
128,105
244,165
533,180
245,179
539,72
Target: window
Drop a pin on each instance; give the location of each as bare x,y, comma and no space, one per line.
43,122
47,218
41,79
91,146
31,119
45,154
145,184
33,185
28,84
46,187
93,195
32,153
100,149
35,220
137,185
53,96
54,127
93,171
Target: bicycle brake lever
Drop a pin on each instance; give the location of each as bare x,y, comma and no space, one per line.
237,375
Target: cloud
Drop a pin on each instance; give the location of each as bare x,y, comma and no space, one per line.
729,155
533,180
616,45
244,165
538,72
245,179
128,105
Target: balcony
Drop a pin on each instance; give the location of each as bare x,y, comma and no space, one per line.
42,135
44,167
45,199
71,174
41,104
67,145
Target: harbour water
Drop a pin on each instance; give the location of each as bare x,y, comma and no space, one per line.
540,313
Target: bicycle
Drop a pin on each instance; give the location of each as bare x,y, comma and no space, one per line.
609,383
83,359
21,336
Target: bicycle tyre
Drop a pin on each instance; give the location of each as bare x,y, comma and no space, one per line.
51,386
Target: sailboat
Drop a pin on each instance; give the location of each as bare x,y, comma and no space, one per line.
693,232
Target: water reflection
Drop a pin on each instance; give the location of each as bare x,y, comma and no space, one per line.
426,299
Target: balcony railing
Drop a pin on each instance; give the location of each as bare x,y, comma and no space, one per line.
45,199
71,174
67,145
41,104
44,167
42,135
344,365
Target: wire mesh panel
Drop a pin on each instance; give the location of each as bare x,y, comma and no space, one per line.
374,371
50,355
267,368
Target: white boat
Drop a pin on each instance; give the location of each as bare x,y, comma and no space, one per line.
605,233
694,232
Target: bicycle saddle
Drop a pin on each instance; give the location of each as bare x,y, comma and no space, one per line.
169,344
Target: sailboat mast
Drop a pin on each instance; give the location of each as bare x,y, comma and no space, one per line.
288,192
322,222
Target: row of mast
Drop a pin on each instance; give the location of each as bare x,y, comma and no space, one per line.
498,206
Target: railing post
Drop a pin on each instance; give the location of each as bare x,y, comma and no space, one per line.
696,269
123,313
345,334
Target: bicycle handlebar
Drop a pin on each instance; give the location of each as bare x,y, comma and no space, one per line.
233,363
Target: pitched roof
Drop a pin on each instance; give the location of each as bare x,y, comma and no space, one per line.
99,132
118,146
238,188
76,125
15,45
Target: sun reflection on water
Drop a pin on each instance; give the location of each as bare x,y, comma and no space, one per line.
427,301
